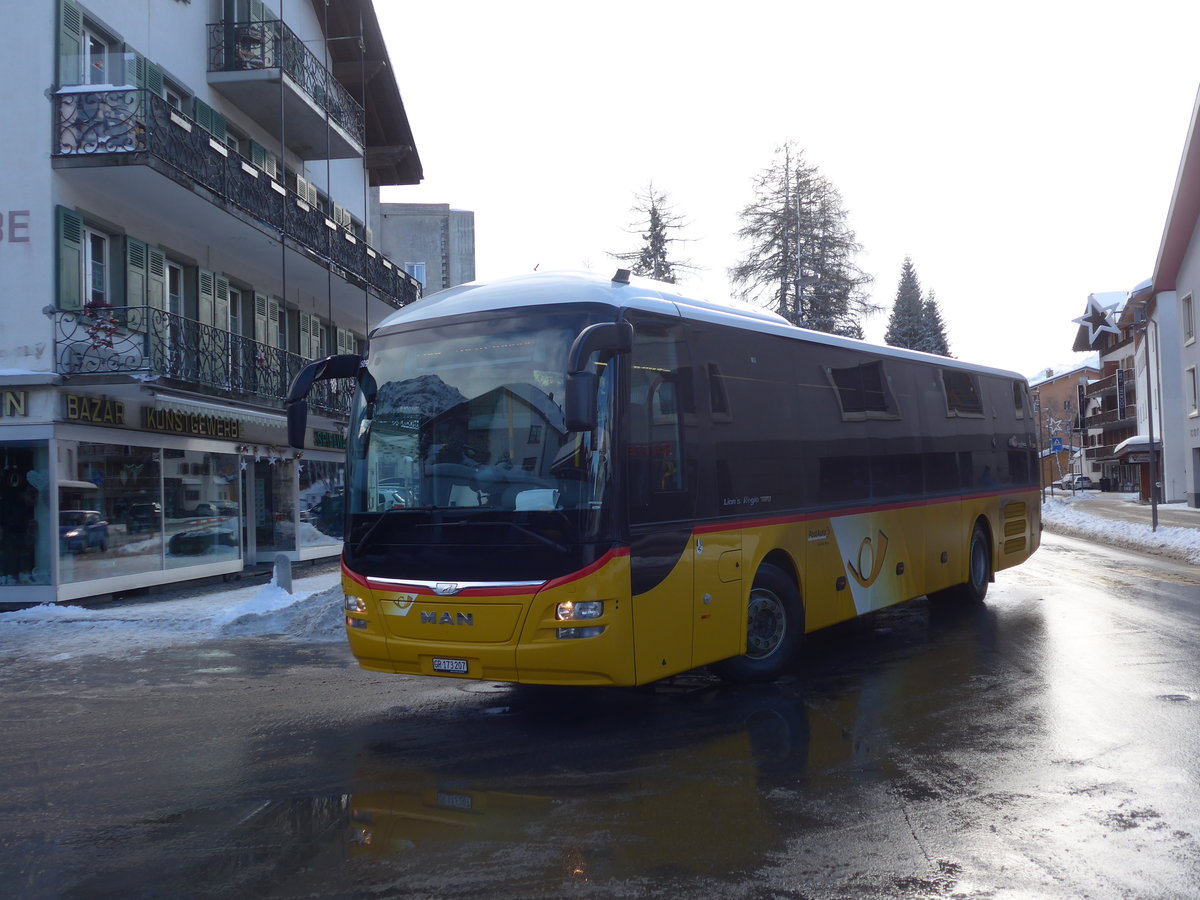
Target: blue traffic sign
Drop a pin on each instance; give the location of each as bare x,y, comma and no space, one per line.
1056,445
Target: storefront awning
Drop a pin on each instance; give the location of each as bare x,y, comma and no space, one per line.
1139,443
225,411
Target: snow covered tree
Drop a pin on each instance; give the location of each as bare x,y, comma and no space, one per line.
657,224
933,329
906,327
800,261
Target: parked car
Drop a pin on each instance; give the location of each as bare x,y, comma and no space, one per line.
143,517
1076,482
213,510
80,530
200,540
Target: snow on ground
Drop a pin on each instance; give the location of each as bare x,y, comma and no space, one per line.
312,612
1065,515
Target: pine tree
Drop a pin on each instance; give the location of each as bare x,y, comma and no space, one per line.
906,327
933,338
801,251
656,223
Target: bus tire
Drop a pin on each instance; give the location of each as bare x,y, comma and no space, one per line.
774,628
979,571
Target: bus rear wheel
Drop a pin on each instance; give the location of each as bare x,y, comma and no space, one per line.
774,627
979,571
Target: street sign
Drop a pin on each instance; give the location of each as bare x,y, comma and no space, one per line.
1056,445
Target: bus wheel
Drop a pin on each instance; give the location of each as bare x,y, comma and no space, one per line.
979,572
774,627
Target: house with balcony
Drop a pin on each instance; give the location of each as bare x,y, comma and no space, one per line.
1176,285
189,216
1132,435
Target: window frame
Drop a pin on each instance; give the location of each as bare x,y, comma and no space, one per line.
90,236
1193,388
1188,314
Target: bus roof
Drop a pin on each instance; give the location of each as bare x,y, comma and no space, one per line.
587,287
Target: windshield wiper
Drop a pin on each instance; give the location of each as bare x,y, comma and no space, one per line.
549,542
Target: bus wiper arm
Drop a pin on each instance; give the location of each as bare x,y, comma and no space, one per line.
549,542
370,531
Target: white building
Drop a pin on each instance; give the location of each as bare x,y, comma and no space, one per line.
1176,284
186,222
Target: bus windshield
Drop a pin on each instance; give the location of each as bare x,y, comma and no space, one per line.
467,417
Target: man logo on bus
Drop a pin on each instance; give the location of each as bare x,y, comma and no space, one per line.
870,557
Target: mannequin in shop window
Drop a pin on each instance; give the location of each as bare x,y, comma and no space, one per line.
18,528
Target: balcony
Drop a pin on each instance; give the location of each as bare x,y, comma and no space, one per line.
145,341
134,129
269,73
1108,386
1110,418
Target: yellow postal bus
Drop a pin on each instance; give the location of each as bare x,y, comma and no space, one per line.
562,479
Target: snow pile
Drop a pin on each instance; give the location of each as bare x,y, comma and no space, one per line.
1063,515
315,617
312,612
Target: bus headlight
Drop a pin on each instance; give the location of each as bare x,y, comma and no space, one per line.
354,604
569,610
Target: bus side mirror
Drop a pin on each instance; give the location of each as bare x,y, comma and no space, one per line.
609,338
346,365
580,407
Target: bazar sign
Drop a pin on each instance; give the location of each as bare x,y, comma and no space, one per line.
95,410
174,421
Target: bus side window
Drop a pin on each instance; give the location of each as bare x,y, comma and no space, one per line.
661,402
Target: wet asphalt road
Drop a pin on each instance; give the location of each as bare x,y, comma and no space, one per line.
1044,744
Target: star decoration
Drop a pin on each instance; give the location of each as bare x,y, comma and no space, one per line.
1096,320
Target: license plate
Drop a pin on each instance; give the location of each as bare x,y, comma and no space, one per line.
455,666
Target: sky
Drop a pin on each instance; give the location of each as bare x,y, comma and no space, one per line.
1022,154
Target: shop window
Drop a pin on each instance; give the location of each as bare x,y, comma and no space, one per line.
110,511
322,503
26,535
203,505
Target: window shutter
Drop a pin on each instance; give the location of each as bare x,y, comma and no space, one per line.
264,159
273,323
70,43
156,278
209,119
305,336
346,342
135,283
260,318
145,73
70,259
207,297
221,304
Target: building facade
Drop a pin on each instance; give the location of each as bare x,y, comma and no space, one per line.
187,221
1056,403
435,243
1176,285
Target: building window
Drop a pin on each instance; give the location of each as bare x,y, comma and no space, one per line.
1193,390
175,289
416,270
95,58
95,268
1187,314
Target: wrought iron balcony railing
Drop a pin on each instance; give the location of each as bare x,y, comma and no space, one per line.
236,46
144,340
133,122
